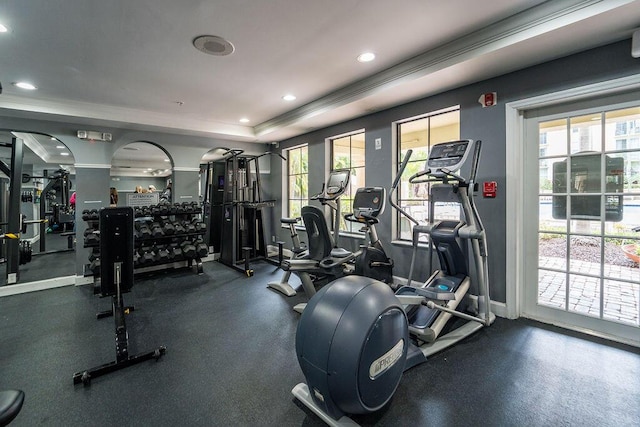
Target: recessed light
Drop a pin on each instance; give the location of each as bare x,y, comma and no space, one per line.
24,85
64,154
244,120
61,147
3,29
53,138
166,160
289,97
149,169
366,57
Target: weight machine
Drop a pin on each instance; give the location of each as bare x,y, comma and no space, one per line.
235,209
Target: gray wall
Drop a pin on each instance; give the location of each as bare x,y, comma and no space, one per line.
92,160
486,124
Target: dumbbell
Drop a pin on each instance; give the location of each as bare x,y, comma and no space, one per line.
92,239
175,250
88,231
164,209
94,255
136,259
95,266
202,249
146,255
144,232
178,228
94,215
163,254
86,215
168,228
189,227
188,249
156,230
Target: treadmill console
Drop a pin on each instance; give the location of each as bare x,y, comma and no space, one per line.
448,155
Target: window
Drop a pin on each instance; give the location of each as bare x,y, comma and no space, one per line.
419,134
347,152
298,180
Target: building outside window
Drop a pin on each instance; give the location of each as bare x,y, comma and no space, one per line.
419,134
347,152
297,180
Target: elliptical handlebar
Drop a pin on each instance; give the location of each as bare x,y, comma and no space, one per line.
440,175
403,166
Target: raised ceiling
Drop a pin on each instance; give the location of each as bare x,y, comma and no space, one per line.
132,63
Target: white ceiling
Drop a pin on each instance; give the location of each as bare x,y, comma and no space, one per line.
132,63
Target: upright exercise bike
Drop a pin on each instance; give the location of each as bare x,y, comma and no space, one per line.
356,337
370,260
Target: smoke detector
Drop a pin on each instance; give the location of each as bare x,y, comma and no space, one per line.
213,45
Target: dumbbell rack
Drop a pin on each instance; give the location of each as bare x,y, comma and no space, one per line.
166,236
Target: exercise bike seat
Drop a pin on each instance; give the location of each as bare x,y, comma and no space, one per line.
289,220
10,404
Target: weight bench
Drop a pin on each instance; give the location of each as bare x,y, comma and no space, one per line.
116,278
70,237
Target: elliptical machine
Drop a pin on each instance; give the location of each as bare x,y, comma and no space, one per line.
356,337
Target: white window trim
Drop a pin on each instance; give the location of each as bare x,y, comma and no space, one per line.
284,203
514,192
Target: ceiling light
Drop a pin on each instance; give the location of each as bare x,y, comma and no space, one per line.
25,85
64,154
53,138
289,97
3,29
366,57
61,147
244,120
166,160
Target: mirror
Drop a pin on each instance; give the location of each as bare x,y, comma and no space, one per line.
140,168
47,184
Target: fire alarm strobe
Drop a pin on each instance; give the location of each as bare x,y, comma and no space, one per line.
488,99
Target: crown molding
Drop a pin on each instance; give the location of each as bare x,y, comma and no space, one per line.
533,22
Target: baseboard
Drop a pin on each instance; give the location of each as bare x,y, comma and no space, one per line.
40,285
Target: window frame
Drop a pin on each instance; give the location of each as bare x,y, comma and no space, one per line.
397,219
287,181
346,199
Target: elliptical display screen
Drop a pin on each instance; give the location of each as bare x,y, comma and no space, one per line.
450,155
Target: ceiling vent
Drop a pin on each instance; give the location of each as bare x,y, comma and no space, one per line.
213,45
94,136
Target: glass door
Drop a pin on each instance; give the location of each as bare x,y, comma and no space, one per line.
583,197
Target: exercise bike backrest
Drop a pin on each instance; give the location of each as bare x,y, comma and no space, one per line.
334,188
368,203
